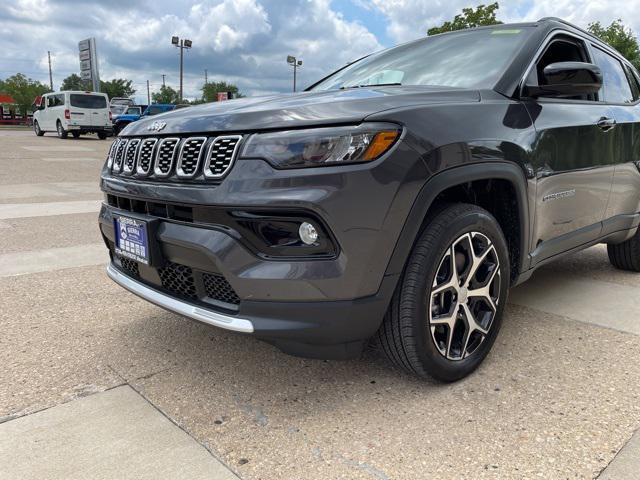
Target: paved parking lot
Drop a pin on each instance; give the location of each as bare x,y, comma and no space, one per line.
559,396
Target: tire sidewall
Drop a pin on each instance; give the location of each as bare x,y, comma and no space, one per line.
36,128
474,220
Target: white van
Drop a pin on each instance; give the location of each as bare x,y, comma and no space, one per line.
73,112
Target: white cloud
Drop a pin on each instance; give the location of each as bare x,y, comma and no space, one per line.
410,19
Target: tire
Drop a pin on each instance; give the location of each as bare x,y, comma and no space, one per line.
626,255
102,135
75,134
62,133
36,128
415,334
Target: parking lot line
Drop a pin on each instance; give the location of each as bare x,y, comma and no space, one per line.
57,148
70,159
55,189
21,263
27,210
113,434
582,299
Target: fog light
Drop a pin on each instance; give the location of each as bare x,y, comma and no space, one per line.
308,233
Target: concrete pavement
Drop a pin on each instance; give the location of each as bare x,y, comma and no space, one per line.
559,396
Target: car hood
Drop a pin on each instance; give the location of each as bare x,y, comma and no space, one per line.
128,117
297,110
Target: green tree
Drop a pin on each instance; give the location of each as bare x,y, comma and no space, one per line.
165,95
210,90
24,90
619,37
74,82
469,18
118,87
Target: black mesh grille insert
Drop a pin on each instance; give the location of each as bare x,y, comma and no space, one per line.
178,279
130,155
190,156
164,158
145,155
119,156
130,266
219,289
221,155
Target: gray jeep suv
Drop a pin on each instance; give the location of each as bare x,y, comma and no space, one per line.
395,201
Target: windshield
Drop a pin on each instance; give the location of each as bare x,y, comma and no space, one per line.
133,111
467,59
121,101
88,101
155,110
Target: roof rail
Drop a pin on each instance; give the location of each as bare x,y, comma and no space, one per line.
564,22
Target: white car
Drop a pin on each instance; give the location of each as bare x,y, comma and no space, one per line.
118,105
73,112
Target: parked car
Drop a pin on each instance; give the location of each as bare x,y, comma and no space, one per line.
395,201
133,116
118,105
73,112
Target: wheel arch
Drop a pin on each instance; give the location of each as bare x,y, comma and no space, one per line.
457,177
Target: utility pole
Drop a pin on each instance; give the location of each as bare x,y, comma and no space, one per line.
163,75
295,63
181,44
148,94
50,74
205,76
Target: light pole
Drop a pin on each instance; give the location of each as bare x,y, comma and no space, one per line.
295,63
181,44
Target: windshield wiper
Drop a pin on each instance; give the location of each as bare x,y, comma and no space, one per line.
372,85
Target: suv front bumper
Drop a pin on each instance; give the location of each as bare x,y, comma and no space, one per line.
313,307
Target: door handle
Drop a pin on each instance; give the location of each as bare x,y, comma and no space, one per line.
606,124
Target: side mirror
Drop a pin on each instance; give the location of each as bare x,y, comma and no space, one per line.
567,79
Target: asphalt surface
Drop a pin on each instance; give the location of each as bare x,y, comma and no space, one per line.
558,397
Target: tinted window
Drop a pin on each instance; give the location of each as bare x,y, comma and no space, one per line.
88,101
154,110
616,87
468,59
633,81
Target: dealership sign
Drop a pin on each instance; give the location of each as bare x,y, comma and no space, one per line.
89,62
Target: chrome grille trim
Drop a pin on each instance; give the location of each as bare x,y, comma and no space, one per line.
225,149
145,156
188,167
118,160
165,157
130,155
112,149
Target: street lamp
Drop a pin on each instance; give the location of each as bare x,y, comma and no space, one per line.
295,63
181,44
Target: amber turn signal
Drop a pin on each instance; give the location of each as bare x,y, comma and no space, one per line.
381,143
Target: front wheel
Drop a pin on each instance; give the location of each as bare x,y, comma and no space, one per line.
62,133
102,135
37,129
447,309
626,255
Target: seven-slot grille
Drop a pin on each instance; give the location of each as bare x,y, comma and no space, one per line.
190,154
220,156
145,156
188,158
130,155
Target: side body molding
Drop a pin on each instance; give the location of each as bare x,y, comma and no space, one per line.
502,170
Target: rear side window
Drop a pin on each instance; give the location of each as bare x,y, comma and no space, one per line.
633,81
616,88
88,101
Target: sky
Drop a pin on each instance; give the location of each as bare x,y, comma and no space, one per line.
245,42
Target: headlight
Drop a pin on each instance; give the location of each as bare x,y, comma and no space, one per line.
319,147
